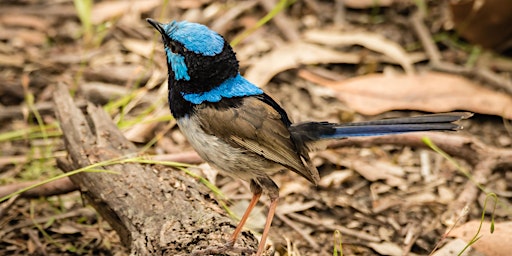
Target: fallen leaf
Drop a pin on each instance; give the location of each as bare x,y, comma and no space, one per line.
374,171
66,229
421,198
378,170
451,248
287,208
383,203
430,92
386,248
372,41
292,55
257,218
336,178
497,243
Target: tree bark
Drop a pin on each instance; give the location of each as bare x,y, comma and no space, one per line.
155,210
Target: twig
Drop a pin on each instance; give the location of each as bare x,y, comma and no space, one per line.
221,23
345,231
52,188
7,205
299,230
82,212
41,249
44,108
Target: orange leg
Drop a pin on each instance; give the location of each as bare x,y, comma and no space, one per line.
270,217
254,200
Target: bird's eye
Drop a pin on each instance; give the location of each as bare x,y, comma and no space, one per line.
173,47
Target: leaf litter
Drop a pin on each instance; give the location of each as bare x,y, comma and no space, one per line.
373,196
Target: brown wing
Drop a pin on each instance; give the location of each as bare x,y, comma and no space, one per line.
257,127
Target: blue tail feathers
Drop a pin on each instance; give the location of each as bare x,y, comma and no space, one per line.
322,130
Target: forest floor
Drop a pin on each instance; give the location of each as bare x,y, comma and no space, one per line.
333,61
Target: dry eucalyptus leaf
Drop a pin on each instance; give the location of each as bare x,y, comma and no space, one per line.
257,218
430,92
287,208
451,248
370,40
377,170
386,248
336,178
497,243
292,55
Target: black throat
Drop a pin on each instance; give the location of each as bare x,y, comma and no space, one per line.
205,72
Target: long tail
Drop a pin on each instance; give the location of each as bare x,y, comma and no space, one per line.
322,130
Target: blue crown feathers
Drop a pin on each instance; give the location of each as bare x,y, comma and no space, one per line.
195,37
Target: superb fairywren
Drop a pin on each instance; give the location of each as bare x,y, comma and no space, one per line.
237,128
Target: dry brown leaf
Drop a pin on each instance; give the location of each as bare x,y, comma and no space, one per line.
377,170
383,203
336,178
374,171
257,218
497,243
287,208
292,55
431,92
453,247
386,248
421,198
108,10
370,40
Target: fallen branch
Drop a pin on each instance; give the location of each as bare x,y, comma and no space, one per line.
56,187
155,210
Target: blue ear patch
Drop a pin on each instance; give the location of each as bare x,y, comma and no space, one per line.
178,65
236,86
195,37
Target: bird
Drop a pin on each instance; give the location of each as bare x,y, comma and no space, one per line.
243,132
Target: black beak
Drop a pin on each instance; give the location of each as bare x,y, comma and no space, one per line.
158,26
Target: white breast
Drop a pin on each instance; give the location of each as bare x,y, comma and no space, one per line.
234,161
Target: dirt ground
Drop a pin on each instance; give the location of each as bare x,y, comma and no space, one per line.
334,61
